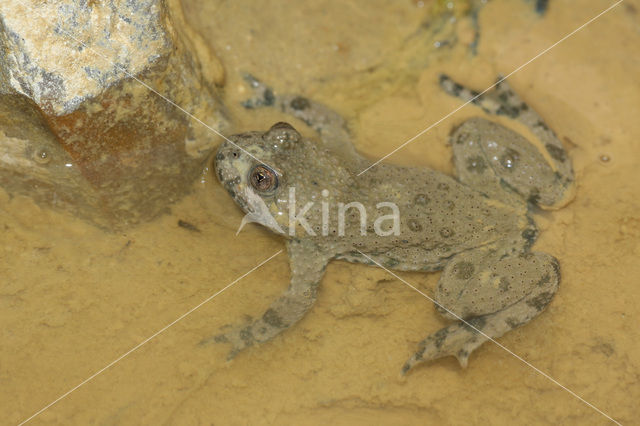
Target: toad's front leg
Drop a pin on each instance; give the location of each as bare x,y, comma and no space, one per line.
307,269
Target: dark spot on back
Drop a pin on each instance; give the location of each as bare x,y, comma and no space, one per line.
463,270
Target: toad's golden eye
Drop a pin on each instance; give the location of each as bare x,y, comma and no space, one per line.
263,178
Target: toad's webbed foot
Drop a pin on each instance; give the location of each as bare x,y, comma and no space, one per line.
458,340
263,95
272,323
240,338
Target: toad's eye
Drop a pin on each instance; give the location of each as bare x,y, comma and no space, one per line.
263,178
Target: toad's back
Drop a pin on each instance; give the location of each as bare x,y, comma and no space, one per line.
439,217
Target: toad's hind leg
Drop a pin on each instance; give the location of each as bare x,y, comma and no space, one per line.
482,148
487,294
330,125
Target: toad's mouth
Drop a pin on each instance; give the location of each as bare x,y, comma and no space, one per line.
256,210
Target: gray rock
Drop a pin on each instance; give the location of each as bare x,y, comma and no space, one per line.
78,127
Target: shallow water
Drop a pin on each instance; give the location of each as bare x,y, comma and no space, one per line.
75,298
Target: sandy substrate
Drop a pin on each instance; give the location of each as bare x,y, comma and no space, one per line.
74,298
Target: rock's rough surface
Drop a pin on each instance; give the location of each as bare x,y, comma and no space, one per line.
82,122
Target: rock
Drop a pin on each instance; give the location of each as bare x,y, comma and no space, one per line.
82,123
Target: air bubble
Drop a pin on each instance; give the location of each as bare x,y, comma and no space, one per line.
41,156
509,159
